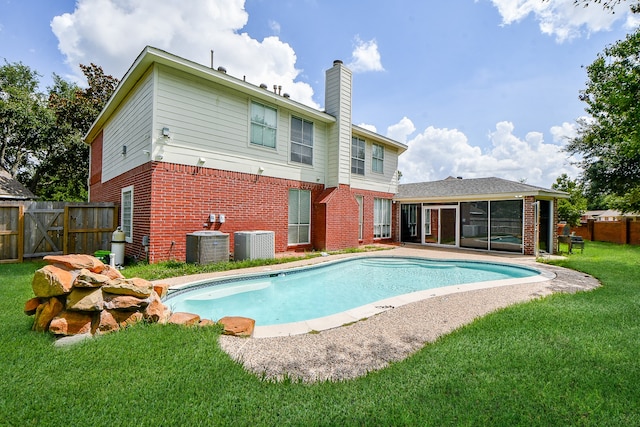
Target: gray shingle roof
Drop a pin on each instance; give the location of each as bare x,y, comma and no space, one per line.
456,187
10,189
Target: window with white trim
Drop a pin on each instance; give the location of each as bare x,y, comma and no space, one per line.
126,213
381,218
264,122
357,155
299,216
377,158
301,140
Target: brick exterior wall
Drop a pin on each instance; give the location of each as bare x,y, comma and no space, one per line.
528,239
172,200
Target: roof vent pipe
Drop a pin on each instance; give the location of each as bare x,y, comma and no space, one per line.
337,62
222,69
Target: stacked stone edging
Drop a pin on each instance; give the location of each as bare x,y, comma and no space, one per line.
79,294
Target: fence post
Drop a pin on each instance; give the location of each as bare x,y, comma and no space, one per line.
590,229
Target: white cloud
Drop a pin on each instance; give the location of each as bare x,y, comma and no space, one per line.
562,18
368,127
401,130
111,33
365,57
564,132
437,153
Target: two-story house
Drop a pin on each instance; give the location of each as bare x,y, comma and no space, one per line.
182,147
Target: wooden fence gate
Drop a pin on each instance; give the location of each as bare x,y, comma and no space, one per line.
36,229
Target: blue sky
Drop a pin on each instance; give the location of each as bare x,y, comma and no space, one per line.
474,88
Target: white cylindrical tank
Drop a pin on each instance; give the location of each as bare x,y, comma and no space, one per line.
117,246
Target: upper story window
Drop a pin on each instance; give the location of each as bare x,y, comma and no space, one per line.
301,141
263,125
357,155
377,161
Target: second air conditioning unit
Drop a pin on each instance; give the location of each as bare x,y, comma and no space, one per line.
257,244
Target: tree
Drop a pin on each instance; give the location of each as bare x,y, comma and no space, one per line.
608,141
570,210
63,174
610,4
26,124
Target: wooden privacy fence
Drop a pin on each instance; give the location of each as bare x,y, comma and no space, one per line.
623,232
36,229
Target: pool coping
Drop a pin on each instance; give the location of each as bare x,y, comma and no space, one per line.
363,312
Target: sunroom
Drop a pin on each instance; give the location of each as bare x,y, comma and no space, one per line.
489,214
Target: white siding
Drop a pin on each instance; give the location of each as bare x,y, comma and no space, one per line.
374,181
208,121
129,126
338,104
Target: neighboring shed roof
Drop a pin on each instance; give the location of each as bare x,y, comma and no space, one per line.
11,189
451,189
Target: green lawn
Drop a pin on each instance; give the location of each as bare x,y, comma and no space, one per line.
562,360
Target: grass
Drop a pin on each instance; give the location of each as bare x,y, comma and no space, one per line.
561,360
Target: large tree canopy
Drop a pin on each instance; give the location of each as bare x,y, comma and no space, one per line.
41,136
608,140
26,123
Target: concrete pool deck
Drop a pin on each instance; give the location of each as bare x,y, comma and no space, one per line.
369,338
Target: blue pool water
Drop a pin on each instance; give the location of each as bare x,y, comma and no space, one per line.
322,290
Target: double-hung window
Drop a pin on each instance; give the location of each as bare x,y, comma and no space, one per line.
126,213
301,141
263,125
381,218
299,216
357,155
377,160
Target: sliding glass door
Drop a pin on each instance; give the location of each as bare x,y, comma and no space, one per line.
439,225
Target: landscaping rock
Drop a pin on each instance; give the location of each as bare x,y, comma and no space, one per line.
186,319
111,272
85,299
71,323
45,313
238,326
31,306
113,320
89,279
207,322
78,294
156,311
77,262
161,289
51,281
135,287
124,302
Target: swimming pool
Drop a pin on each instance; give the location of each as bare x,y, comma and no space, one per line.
298,295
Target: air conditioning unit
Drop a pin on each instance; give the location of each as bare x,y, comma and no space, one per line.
258,244
207,246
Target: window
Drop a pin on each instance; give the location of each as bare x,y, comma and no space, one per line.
299,216
301,141
377,161
360,201
126,219
263,125
381,218
357,155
